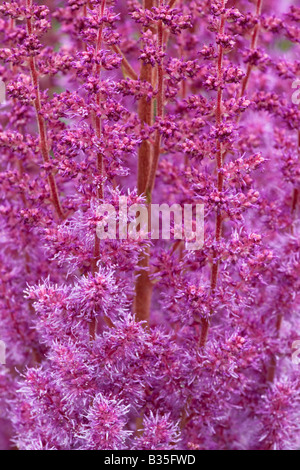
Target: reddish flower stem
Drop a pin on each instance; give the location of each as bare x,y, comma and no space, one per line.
172,3
220,156
220,181
100,169
98,122
147,172
42,123
160,100
128,70
253,46
146,118
143,286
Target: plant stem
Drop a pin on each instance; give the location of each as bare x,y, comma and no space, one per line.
42,123
143,285
160,100
172,3
220,181
146,117
98,128
253,46
125,64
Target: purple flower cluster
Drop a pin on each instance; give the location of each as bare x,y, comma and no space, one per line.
138,344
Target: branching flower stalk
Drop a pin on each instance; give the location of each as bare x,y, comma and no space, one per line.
100,168
98,100
295,197
220,177
254,39
44,145
127,69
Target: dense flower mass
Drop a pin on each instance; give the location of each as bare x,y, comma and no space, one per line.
128,342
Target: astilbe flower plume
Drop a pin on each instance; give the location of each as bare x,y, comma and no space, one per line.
123,343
